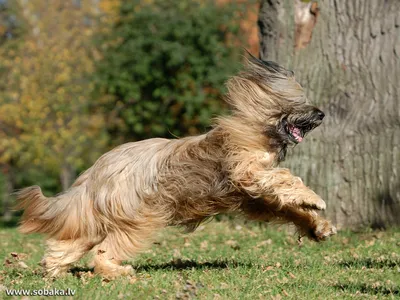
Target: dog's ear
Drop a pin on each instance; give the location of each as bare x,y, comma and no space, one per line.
269,66
263,91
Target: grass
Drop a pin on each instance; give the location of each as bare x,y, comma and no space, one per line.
225,261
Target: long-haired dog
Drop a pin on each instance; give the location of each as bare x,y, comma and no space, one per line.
114,208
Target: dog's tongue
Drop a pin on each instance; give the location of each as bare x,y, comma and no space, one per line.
296,134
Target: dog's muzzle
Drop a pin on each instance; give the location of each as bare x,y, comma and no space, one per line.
299,127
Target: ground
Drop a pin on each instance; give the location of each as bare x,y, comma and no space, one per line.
225,260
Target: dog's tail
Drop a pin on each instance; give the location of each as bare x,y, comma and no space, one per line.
54,216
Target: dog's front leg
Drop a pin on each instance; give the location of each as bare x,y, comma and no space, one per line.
290,189
281,196
285,188
307,221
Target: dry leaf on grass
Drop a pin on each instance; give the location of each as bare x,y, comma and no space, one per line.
231,242
187,243
23,265
269,268
234,244
132,279
263,243
204,245
15,260
7,262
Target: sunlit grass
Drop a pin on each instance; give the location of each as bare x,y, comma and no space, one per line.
224,260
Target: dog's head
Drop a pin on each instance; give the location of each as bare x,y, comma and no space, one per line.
267,96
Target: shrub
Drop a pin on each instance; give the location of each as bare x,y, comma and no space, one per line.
164,66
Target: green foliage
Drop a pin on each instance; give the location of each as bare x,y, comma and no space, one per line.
11,22
157,67
164,65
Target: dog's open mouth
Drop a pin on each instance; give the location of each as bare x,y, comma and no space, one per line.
295,133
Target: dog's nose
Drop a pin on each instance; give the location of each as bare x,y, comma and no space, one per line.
320,114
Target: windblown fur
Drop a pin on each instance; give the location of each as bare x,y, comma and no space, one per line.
115,207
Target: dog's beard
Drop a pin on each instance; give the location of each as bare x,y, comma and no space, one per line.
294,127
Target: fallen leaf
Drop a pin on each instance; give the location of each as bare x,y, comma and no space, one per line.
263,243
176,253
104,281
133,280
231,242
22,265
204,245
370,243
7,262
224,286
186,244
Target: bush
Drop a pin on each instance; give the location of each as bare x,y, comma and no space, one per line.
164,65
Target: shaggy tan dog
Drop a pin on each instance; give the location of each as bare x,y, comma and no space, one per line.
115,207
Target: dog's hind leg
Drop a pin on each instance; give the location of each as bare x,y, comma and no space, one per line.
109,255
123,243
60,254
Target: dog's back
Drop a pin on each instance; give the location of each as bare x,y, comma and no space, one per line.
111,189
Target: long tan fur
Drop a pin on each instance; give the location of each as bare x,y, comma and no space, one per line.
115,207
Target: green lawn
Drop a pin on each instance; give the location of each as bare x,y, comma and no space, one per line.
225,260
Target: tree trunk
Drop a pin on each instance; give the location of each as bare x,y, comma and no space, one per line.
349,66
67,175
8,188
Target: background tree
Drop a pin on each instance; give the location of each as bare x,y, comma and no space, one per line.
11,31
164,65
346,55
47,99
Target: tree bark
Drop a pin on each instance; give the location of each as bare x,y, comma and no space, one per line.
8,188
351,70
67,176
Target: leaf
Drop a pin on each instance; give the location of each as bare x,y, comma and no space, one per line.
23,265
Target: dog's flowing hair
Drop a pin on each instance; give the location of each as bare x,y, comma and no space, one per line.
115,207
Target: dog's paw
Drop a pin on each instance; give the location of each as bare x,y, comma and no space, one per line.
112,271
52,269
322,230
